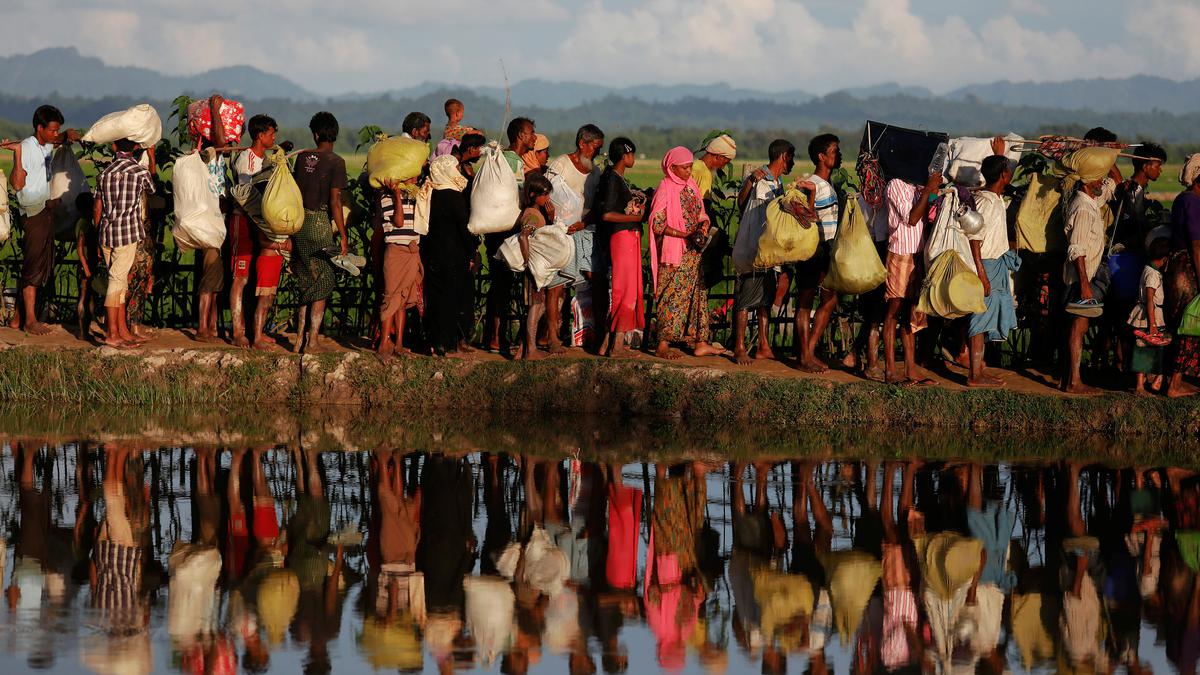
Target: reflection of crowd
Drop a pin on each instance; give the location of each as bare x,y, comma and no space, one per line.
505,560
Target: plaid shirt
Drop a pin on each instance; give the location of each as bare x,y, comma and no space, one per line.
121,186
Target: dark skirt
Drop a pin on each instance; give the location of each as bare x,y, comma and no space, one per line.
311,269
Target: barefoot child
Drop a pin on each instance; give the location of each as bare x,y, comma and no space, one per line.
117,212
1146,319
535,200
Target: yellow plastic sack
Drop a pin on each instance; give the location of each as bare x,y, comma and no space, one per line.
395,160
855,266
1039,220
783,239
951,288
282,203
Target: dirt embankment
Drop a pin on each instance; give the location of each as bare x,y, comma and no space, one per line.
615,391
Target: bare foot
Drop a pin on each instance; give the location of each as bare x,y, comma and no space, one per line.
37,328
1183,389
813,365
665,352
985,381
1142,391
875,374
764,353
850,361
298,344
1081,389
705,349
532,354
742,357
558,348
464,348
117,343
241,341
267,345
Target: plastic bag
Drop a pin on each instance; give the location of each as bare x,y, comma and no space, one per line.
422,208
784,240
490,609
5,213
855,266
67,182
951,289
395,160
495,203
1189,325
550,250
140,124
233,119
198,221
967,155
282,203
946,234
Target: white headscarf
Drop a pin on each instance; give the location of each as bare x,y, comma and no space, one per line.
444,174
722,146
1190,170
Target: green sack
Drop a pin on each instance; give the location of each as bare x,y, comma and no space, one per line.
784,240
282,203
1189,325
395,160
855,266
951,288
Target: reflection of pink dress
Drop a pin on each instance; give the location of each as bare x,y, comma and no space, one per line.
672,619
624,521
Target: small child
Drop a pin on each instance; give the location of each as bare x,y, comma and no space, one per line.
117,213
536,212
455,129
1146,319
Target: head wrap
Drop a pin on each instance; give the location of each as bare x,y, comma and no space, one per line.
444,174
531,159
668,199
1190,170
722,146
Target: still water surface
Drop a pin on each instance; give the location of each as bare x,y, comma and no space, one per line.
122,558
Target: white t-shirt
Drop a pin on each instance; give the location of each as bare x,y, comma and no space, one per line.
246,165
993,236
825,203
1151,278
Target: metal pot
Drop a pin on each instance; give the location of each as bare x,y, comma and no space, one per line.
968,219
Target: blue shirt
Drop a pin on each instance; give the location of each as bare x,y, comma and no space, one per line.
35,159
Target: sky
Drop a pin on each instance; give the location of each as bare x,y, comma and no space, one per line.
774,45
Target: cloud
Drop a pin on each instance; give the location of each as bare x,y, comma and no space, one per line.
816,45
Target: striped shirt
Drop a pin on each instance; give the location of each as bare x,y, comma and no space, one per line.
825,203
121,186
391,233
903,239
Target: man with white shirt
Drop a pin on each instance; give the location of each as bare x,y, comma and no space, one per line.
1085,274
990,252
754,288
31,179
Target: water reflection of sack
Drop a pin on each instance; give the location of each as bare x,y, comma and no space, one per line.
490,610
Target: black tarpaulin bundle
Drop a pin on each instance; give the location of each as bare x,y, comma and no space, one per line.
902,153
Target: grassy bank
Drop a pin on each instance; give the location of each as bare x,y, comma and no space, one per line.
609,390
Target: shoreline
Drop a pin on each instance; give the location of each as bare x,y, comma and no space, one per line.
709,392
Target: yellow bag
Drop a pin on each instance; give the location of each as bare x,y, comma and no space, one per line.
282,203
784,240
395,160
1039,220
855,266
951,288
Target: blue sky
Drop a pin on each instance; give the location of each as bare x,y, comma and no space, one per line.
815,45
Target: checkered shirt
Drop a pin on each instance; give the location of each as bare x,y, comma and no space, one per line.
121,186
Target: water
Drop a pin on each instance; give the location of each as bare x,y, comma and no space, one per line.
136,556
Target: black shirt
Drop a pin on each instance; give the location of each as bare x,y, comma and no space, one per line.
612,196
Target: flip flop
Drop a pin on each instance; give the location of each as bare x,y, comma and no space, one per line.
1089,308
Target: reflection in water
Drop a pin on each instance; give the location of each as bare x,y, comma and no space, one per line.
276,558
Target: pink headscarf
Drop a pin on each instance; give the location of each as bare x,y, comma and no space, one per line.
667,198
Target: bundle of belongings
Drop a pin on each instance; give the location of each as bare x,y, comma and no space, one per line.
1069,161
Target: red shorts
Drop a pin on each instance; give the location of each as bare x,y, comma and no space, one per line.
241,244
267,271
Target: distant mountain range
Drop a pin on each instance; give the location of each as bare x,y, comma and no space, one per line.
63,70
